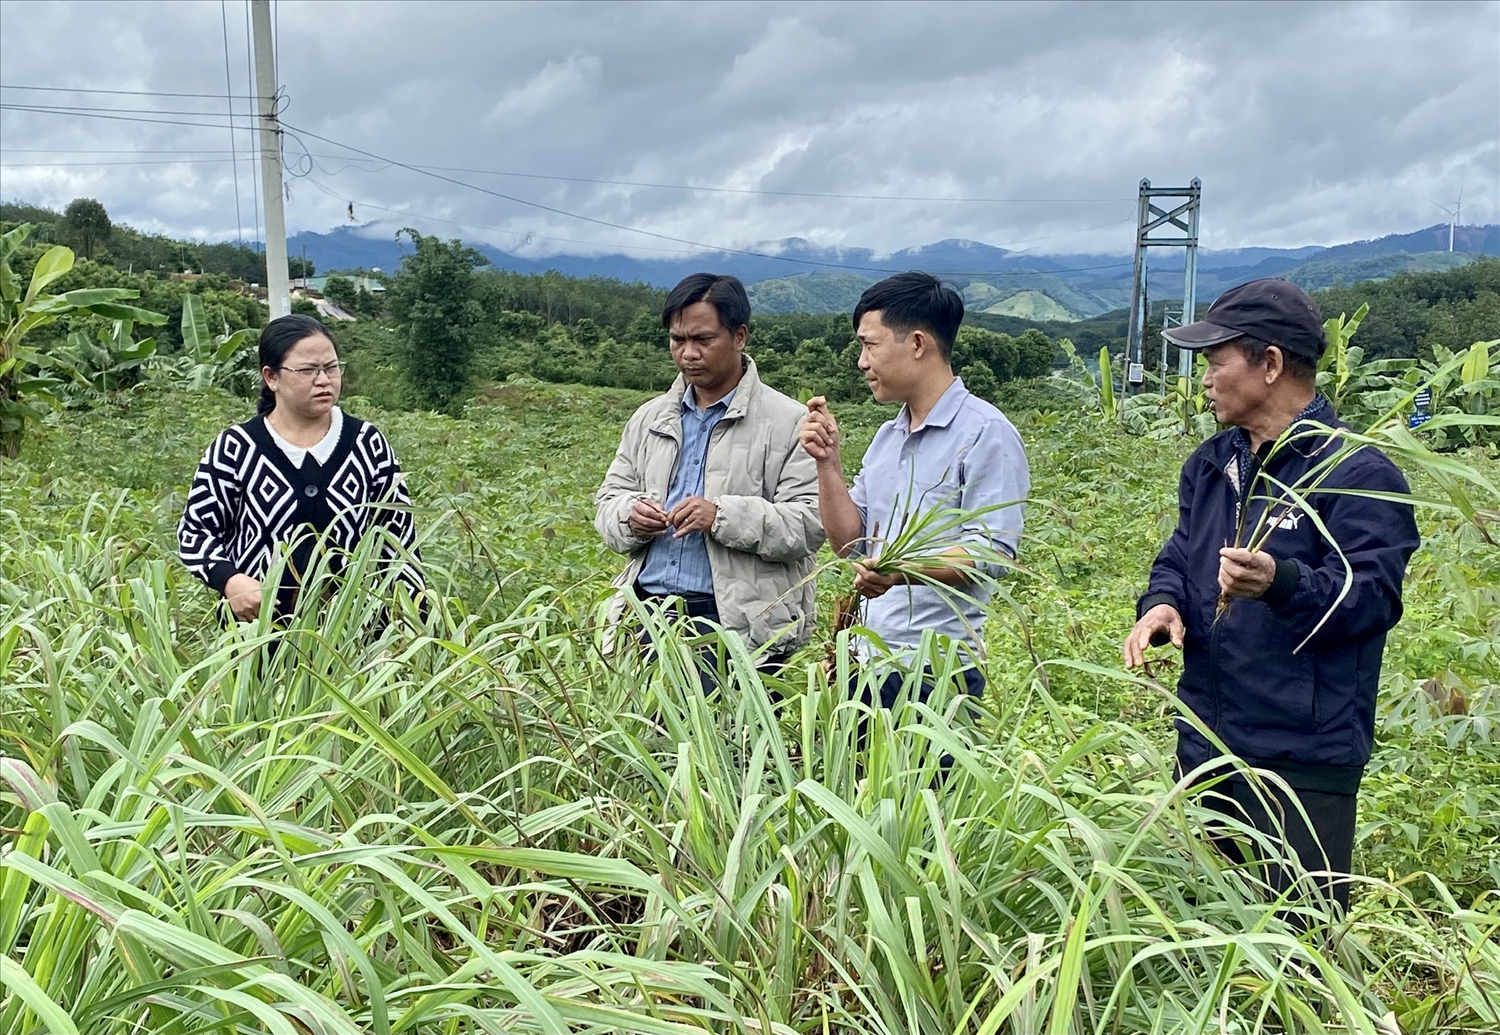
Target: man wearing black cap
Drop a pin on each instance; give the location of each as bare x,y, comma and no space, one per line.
1285,670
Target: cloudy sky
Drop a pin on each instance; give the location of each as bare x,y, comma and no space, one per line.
1022,125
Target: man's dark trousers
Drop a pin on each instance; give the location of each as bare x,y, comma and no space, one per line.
1322,841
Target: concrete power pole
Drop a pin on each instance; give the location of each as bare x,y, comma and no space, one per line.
1151,218
277,291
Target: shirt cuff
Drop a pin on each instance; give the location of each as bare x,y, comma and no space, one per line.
1284,585
218,576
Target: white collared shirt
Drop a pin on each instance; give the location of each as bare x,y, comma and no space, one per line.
321,451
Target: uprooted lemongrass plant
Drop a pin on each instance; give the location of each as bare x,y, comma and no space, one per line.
1387,433
930,542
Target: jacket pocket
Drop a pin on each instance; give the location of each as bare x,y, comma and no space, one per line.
1262,684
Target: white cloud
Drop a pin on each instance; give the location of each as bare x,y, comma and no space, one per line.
570,81
1310,123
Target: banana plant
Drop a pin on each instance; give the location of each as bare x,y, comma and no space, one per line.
209,360
26,373
106,362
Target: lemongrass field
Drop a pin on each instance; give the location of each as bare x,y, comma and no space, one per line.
478,819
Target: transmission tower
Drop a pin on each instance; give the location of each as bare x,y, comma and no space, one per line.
1167,218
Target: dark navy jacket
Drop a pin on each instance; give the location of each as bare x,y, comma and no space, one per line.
1308,715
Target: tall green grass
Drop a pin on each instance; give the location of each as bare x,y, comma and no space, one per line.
479,820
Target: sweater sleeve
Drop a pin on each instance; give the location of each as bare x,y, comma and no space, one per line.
208,520
394,513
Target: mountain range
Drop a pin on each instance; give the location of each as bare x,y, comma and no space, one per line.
795,275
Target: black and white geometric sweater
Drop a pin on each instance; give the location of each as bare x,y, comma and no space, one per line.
247,500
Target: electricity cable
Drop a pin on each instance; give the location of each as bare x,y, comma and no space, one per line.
239,222
255,184
117,93
660,236
116,118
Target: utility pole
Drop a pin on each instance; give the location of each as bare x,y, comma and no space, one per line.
277,291
1151,218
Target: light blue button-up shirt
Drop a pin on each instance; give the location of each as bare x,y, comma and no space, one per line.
681,565
967,456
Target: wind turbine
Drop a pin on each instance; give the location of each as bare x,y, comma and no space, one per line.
1454,214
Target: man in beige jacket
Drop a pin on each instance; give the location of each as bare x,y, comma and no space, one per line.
710,494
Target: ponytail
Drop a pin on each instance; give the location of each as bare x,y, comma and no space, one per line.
278,338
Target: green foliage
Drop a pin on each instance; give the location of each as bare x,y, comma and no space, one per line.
477,820
341,292
435,302
226,360
130,251
24,368
109,362
1411,312
86,224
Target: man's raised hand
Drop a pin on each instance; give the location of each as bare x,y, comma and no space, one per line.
819,433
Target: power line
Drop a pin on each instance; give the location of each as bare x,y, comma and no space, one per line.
525,236
90,165
78,109
254,149
116,151
117,93
239,224
659,236
115,118
776,193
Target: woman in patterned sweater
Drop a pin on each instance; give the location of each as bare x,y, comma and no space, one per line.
301,471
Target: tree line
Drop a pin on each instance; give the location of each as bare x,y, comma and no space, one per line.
448,322
456,324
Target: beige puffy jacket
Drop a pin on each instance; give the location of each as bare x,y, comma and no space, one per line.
765,485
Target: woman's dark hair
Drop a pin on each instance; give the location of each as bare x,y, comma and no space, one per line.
725,293
915,301
278,338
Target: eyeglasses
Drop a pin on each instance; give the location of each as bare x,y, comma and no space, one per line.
333,370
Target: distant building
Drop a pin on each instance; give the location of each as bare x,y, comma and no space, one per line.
317,284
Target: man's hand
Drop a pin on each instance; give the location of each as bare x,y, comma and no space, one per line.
1163,618
647,519
871,584
694,514
819,433
1245,574
243,594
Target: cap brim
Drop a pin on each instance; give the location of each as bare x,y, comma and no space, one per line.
1200,335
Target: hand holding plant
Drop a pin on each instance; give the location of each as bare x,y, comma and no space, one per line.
1245,573
647,519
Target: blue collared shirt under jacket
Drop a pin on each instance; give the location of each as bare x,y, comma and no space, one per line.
1287,681
681,565
966,456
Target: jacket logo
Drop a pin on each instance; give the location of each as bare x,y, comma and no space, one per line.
1290,520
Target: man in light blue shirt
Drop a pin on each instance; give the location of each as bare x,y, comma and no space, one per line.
946,450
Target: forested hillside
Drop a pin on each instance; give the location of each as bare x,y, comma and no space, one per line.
490,325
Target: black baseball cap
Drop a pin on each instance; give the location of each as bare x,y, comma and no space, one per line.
1273,310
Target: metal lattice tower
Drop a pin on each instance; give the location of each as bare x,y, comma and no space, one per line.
1168,218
